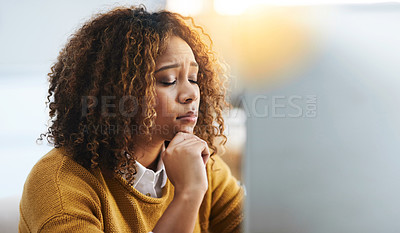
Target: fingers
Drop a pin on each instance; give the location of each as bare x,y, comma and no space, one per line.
182,139
179,137
194,143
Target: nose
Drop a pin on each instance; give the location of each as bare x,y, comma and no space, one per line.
188,92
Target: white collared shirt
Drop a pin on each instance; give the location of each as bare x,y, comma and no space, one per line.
148,182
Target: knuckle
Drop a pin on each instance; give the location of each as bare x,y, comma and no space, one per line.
173,150
187,150
203,142
166,153
180,135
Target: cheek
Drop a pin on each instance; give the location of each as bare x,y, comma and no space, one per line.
165,106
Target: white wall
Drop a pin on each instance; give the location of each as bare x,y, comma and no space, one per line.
31,35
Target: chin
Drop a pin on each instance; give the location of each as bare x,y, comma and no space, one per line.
184,129
168,133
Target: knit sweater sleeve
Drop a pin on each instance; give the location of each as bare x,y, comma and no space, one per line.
227,197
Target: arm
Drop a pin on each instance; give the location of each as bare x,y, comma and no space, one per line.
181,214
70,223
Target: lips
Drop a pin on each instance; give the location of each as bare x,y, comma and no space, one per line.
191,116
186,115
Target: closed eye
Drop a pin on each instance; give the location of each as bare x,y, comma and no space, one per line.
193,81
169,83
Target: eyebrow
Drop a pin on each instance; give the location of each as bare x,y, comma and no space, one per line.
176,65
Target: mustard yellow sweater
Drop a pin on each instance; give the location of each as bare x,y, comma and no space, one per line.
62,196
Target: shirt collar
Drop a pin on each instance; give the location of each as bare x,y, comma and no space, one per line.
141,170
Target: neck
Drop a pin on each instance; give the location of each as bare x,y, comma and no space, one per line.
147,153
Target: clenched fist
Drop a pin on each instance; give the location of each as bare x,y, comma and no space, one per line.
184,160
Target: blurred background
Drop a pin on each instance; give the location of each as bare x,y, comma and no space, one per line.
314,129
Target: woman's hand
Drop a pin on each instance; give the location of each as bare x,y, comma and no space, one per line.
184,160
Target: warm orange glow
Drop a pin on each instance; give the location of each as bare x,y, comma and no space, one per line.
263,44
237,7
270,44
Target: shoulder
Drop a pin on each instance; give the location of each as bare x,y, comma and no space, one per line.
223,200
215,163
54,187
220,179
218,171
54,172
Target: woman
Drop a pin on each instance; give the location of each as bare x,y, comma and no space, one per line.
135,101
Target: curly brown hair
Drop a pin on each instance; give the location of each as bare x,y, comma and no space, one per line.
114,54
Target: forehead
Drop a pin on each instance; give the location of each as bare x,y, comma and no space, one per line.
177,51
